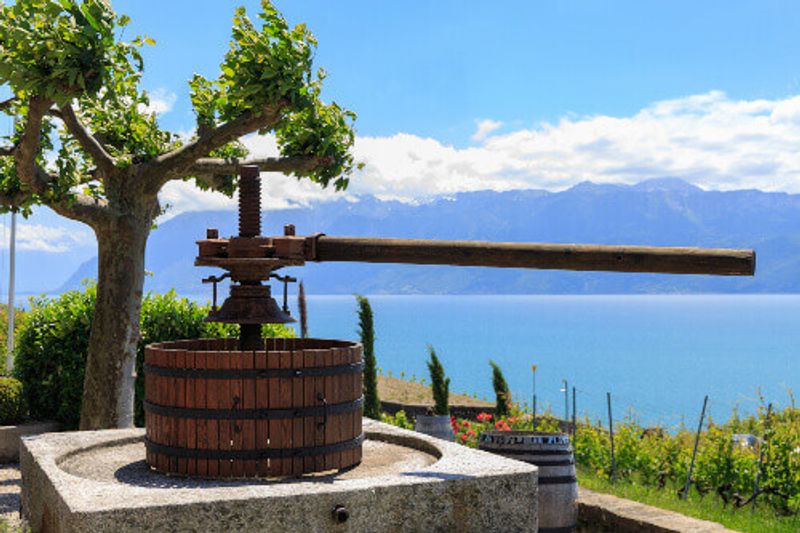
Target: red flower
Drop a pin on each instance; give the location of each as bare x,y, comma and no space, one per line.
463,437
465,423
471,433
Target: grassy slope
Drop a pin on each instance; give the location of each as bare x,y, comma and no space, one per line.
403,391
708,508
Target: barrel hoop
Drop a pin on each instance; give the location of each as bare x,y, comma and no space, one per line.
253,414
560,529
516,451
567,462
557,480
252,455
253,373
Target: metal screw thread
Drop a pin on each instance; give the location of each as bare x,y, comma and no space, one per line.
249,201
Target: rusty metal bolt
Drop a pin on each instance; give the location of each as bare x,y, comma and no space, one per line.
340,514
288,230
212,233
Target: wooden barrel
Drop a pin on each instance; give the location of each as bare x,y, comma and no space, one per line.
438,426
290,409
558,485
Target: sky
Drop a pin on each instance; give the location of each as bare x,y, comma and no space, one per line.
456,96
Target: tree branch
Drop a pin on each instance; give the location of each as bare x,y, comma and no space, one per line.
28,147
5,104
226,167
174,164
87,141
83,208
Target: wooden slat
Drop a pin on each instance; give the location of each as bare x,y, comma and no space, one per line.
180,401
262,402
213,402
309,400
225,402
319,391
236,403
277,438
200,395
297,401
286,401
250,468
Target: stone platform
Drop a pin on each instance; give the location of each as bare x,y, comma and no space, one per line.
98,481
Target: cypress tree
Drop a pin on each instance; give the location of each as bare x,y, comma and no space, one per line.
440,384
501,393
372,405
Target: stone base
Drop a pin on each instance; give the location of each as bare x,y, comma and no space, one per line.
98,481
10,437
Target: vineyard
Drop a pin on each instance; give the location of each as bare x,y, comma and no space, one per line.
731,474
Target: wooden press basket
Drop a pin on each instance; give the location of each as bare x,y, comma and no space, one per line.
290,409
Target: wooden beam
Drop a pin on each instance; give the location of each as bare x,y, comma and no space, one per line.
721,262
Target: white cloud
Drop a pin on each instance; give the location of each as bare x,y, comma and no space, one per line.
485,127
161,101
42,238
709,139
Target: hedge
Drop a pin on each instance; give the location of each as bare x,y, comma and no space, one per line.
50,355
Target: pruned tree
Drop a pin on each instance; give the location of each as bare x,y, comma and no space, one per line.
86,145
366,332
440,384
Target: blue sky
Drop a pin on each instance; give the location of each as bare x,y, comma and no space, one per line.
433,68
455,96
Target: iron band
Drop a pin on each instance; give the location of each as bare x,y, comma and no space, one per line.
253,373
557,480
566,462
513,451
562,529
253,455
253,414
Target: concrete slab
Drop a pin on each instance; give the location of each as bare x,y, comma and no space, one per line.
98,481
604,512
10,437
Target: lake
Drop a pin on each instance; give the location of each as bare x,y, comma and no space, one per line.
657,355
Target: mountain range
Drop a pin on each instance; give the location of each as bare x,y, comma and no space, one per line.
666,212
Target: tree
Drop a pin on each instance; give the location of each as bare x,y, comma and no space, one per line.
86,146
502,395
303,310
366,331
439,384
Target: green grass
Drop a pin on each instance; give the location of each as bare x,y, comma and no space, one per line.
707,508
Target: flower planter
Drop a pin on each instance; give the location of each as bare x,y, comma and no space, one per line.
435,425
552,454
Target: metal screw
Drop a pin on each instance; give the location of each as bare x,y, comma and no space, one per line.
340,514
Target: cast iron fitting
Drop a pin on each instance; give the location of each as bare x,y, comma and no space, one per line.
249,201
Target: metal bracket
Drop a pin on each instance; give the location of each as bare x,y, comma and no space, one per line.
286,280
215,280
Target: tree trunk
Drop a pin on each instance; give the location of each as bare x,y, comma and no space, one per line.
108,388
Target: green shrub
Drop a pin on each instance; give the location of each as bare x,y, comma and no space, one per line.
52,341
12,402
50,354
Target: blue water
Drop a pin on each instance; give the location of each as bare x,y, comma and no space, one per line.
657,355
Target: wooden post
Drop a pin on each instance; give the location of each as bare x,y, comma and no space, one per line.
574,427
761,457
694,451
533,398
611,434
566,402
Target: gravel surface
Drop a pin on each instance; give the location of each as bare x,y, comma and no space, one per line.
9,493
